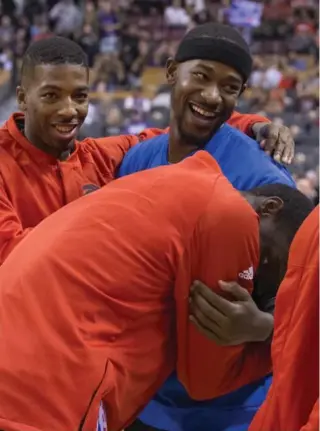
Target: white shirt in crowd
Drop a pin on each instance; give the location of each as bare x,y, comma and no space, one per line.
68,17
176,16
197,5
272,78
142,104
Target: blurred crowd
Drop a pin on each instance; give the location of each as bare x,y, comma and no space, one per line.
129,41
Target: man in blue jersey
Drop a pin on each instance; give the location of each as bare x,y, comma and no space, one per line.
207,76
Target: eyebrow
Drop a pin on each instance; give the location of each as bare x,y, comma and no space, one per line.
56,88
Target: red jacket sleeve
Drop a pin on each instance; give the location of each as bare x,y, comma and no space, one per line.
244,122
11,229
313,422
151,133
225,247
112,151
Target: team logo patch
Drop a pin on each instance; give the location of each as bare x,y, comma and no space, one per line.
247,274
89,188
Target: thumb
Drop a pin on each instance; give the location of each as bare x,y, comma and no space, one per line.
235,290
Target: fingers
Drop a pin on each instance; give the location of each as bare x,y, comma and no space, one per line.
284,147
288,153
215,300
278,142
238,292
205,313
208,333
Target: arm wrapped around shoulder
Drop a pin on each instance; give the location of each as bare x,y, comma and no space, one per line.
225,246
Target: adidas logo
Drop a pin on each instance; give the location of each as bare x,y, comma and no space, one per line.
247,274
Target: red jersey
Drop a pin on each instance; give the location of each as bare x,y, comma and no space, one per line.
292,401
34,184
89,311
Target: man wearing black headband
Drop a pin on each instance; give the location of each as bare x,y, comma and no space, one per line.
207,54
207,77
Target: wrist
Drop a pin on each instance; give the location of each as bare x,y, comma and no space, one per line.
263,327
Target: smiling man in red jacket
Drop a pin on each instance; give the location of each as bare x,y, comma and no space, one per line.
43,167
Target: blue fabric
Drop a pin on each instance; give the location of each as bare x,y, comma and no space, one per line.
246,166
240,158
173,410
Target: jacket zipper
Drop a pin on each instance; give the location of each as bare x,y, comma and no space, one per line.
83,420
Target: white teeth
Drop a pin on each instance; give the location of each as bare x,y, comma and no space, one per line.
202,111
65,129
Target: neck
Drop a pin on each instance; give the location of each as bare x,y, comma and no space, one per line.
179,148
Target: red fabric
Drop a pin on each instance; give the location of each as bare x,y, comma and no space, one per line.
88,299
34,185
295,346
313,421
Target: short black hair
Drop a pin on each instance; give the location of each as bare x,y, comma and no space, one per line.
296,206
53,50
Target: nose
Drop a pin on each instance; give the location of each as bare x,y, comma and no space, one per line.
211,95
68,109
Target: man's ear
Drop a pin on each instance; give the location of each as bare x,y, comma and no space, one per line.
270,206
171,71
21,98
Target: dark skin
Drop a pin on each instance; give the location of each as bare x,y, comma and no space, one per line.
53,96
235,322
209,85
216,88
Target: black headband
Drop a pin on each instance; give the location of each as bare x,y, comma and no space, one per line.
216,49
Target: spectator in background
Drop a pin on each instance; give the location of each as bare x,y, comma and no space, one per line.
137,102
89,42
6,60
138,65
163,51
129,47
67,18
272,77
6,31
114,122
110,73
176,16
258,73
108,27
91,16
136,123
305,186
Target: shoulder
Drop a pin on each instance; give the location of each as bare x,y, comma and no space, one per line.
246,156
108,142
142,155
238,135
230,217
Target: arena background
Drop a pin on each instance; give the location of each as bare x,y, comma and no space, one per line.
128,42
